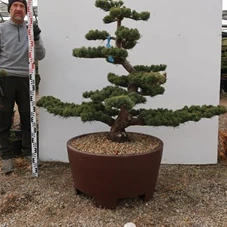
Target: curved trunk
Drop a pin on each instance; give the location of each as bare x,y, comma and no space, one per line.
117,132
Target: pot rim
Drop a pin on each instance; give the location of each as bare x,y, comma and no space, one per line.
158,148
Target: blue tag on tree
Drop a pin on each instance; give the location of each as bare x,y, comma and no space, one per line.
110,58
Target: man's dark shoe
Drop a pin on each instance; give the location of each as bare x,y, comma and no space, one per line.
7,166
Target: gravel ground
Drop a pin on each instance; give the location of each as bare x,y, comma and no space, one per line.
100,144
186,195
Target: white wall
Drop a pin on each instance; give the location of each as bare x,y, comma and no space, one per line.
185,35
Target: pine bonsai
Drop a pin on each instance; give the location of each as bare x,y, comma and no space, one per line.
115,105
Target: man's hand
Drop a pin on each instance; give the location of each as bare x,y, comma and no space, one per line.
36,31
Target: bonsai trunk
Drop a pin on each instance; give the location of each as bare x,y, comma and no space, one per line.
117,131
125,63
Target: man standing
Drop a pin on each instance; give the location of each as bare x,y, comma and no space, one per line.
15,83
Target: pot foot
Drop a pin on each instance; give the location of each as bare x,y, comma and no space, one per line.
108,203
147,196
78,192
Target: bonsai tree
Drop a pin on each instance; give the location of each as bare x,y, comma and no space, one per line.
115,105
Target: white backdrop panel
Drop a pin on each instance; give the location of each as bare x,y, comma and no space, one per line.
185,35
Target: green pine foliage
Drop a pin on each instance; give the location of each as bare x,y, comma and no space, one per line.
107,5
165,117
104,111
99,52
152,68
96,35
125,92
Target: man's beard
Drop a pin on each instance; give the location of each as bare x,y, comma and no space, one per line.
18,18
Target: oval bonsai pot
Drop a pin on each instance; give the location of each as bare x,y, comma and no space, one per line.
108,178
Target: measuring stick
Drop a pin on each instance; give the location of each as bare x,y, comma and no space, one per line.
32,87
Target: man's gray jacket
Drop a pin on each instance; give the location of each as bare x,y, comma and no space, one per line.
14,49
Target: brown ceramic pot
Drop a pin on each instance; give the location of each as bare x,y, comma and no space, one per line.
108,178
